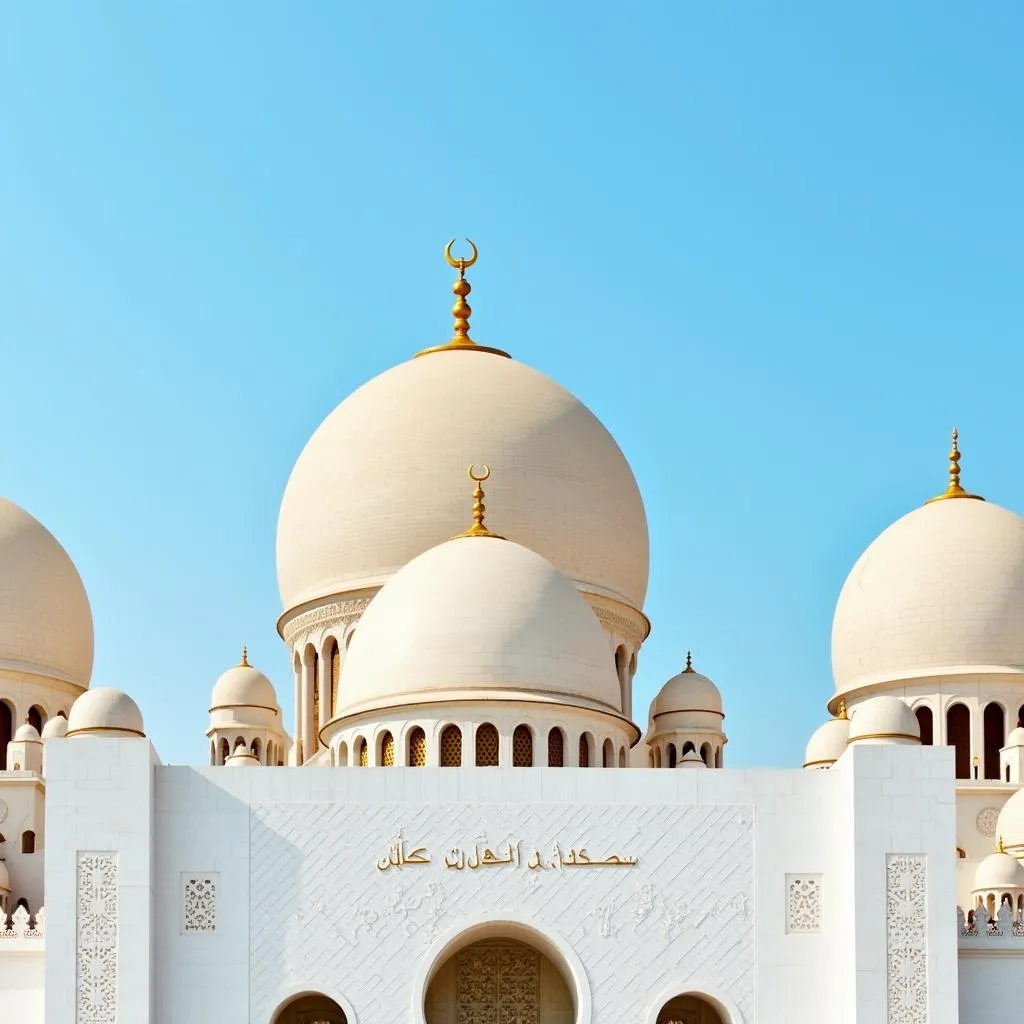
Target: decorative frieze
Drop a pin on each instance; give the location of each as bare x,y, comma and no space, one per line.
96,939
199,903
803,903
342,613
906,938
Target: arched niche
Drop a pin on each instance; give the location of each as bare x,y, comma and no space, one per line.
310,1008
693,1004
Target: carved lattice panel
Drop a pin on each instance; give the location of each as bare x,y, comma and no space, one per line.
487,746
522,747
417,748
96,941
451,747
556,749
387,750
906,932
498,985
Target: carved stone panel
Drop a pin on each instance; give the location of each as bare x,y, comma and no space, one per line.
803,903
906,934
498,985
96,939
199,897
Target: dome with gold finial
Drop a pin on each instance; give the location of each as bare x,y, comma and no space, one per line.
940,592
243,686
376,485
688,698
828,742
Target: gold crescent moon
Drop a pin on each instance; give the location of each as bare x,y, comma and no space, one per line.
487,470
460,264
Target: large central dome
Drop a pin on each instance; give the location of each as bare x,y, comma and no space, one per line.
382,479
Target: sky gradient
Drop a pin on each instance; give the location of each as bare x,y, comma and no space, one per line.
775,247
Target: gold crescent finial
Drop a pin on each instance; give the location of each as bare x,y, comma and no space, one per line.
478,529
954,490
460,265
244,663
689,662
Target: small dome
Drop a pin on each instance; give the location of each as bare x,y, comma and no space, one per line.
242,757
999,871
827,743
104,711
479,618
687,692
5,879
940,591
243,686
55,728
691,759
1016,738
26,733
884,720
1010,824
45,619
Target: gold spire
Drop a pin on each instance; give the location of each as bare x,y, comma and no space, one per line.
689,662
841,709
244,663
478,529
999,846
954,490
462,311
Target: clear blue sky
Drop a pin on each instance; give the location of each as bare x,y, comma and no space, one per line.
776,247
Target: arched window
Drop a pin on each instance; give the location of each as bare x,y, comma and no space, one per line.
225,751
332,663
28,842
671,751
451,746
958,735
417,748
718,757
360,751
556,748
924,721
994,723
688,747
622,757
657,757
6,729
608,754
343,754
314,739
387,749
705,754
255,748
689,1008
584,751
487,746
37,717
522,747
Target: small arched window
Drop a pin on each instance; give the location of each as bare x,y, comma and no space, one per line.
671,751
958,736
705,754
622,757
225,751
608,754
28,842
417,748
343,754
688,747
387,749
924,722
451,746
522,747
362,755
487,746
37,717
584,751
657,757
556,748
255,748
994,725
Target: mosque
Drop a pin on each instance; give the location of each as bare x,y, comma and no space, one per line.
437,841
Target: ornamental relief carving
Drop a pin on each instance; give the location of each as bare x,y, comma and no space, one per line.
200,903
498,985
96,939
342,613
803,903
986,821
630,628
906,932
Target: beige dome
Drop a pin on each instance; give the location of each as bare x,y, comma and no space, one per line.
691,759
1016,738
827,743
241,757
999,871
383,479
688,694
1010,824
478,618
884,719
26,733
55,728
104,711
243,686
940,591
45,619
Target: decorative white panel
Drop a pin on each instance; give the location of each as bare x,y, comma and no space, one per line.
906,934
96,939
326,916
199,903
803,903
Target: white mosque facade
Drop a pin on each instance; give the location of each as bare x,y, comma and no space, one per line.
467,825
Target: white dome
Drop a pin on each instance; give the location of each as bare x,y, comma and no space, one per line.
104,711
243,686
26,733
691,759
241,758
1010,824
827,743
689,691
999,871
1016,738
479,618
55,728
884,719
383,479
940,591
5,879
45,619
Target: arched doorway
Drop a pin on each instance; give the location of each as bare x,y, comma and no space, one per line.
689,1009
311,1008
499,978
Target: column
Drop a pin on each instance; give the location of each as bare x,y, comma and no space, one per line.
298,715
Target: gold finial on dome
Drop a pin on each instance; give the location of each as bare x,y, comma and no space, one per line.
244,663
999,846
462,311
841,710
478,529
954,490
689,662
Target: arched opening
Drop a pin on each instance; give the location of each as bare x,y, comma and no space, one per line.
499,978
225,751
608,754
672,757
718,757
417,756
255,749
522,747
332,665
360,752
622,757
343,754
657,757
213,752
924,721
556,748
310,1009
314,728
36,717
487,746
958,735
690,1009
705,753
451,746
622,671
585,744
688,747
6,729
387,749
28,842
994,726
